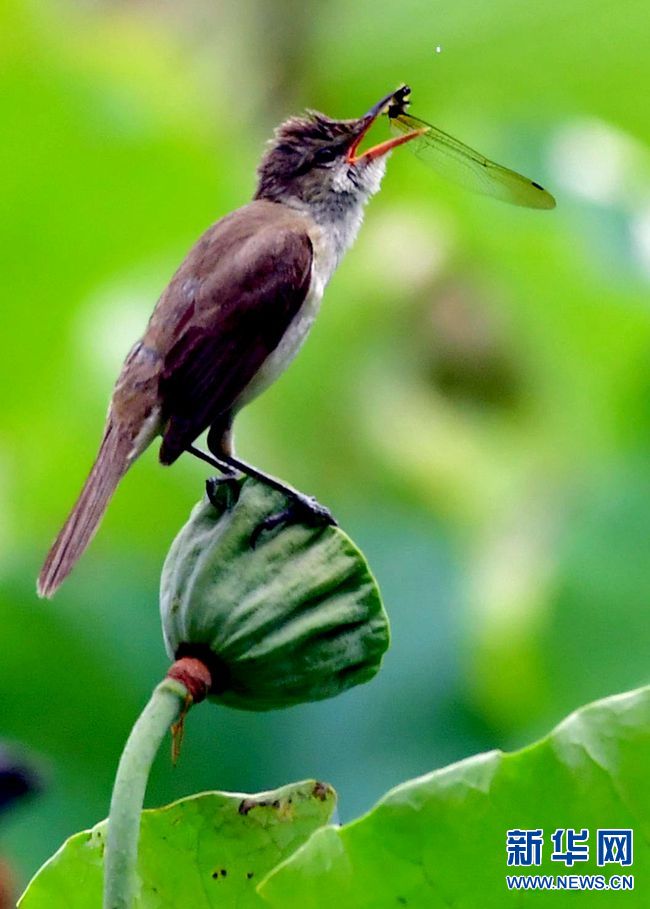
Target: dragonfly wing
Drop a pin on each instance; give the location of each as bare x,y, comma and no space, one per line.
468,168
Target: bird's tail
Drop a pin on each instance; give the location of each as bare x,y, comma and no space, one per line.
110,466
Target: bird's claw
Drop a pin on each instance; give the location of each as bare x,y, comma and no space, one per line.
222,491
310,510
301,509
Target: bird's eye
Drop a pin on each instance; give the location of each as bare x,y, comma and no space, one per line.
324,155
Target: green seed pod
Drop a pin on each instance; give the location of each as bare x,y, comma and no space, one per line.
295,617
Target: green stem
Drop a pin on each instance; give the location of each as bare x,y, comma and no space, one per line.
121,855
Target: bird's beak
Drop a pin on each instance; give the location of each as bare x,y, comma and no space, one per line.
365,123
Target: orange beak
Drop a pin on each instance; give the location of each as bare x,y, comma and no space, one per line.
377,150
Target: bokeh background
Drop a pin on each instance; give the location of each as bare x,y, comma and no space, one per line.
473,403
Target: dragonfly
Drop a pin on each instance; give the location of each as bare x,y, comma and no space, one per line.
460,163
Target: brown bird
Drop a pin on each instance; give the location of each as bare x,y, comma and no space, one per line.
234,315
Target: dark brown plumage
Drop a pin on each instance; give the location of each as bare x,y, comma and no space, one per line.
236,307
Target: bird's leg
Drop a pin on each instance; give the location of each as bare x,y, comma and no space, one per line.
212,460
300,507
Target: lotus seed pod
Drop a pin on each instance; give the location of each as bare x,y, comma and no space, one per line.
295,617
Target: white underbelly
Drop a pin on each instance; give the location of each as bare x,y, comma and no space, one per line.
291,342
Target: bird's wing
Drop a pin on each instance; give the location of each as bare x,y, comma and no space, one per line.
241,287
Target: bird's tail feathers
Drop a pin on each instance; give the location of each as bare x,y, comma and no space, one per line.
111,464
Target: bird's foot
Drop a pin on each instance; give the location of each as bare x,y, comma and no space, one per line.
301,509
222,491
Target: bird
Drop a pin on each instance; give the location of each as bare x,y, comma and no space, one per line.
234,315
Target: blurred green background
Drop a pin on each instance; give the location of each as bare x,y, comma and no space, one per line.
473,403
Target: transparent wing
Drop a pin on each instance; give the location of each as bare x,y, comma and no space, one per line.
462,165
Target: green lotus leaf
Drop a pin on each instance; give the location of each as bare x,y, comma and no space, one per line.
209,850
440,840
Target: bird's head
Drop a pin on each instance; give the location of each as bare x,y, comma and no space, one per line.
316,161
